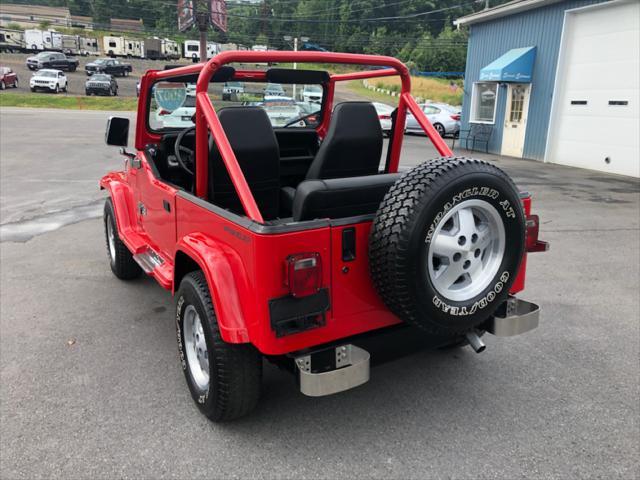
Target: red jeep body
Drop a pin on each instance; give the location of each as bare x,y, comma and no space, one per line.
242,257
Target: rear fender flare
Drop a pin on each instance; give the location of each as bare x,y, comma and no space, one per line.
224,272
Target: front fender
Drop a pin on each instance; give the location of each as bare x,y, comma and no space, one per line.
124,207
225,276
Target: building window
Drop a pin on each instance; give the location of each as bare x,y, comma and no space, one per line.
483,102
517,104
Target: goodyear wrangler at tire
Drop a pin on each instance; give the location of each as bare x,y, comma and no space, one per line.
224,379
446,244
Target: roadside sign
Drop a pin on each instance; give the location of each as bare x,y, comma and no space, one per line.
186,14
218,11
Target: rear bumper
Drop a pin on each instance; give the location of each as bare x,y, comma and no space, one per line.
344,365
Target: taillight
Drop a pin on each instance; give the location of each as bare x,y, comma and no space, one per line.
384,117
455,117
304,274
531,235
164,112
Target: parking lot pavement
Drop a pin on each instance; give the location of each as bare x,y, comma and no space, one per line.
90,385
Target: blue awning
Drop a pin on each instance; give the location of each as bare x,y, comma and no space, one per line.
514,66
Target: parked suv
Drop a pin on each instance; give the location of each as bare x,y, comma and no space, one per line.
101,84
55,60
305,253
46,79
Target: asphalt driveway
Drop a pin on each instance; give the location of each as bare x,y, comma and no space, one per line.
90,385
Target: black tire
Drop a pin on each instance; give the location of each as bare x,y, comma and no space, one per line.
440,129
72,69
15,84
401,235
87,93
121,261
57,89
2,85
33,89
235,370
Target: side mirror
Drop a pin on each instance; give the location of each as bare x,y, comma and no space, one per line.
117,131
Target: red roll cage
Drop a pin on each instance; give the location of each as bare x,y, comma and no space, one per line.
207,119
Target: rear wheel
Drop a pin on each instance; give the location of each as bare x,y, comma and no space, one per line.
121,261
440,129
224,379
446,244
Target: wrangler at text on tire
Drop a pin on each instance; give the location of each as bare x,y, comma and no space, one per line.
282,239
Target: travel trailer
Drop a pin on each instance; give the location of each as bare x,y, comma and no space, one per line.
38,40
191,49
114,46
11,40
89,46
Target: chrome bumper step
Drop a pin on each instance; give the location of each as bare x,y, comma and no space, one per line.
333,370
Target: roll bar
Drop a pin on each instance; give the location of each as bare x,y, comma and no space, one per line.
207,120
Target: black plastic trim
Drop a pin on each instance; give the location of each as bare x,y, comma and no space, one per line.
291,315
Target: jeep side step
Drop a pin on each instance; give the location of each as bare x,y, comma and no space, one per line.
332,370
155,265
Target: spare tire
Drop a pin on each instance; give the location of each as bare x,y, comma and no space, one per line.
446,244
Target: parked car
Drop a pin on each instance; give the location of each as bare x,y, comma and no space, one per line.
8,78
180,117
444,117
56,60
47,79
312,93
279,248
273,90
384,115
101,84
109,66
231,89
282,110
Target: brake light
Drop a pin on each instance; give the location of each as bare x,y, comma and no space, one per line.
531,235
455,117
384,117
304,274
164,112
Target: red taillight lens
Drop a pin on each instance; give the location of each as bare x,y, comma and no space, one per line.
164,112
304,274
532,231
384,117
455,117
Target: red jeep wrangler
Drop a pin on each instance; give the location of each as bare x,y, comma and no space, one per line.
284,234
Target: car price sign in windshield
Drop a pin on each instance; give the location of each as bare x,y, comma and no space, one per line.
170,96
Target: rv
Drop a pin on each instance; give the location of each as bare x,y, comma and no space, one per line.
134,48
89,46
114,46
161,49
11,40
192,49
39,40
171,49
71,44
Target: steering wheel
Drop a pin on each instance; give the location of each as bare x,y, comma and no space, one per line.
187,163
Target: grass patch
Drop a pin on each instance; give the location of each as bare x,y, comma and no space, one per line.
429,89
356,86
68,102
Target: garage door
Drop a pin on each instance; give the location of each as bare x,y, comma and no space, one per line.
595,123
